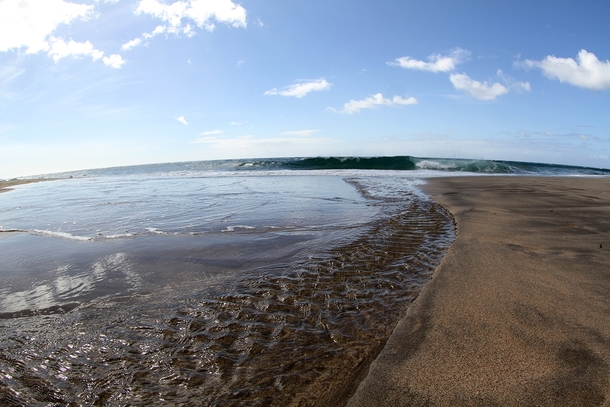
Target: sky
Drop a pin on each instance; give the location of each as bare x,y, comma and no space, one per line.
90,84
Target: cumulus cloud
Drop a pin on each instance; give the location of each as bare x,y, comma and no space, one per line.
301,133
178,16
114,61
160,29
586,72
30,24
437,62
476,89
182,120
130,44
60,49
373,102
201,12
300,89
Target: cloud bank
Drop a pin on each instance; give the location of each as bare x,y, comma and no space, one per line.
300,90
587,72
437,62
211,132
373,102
301,133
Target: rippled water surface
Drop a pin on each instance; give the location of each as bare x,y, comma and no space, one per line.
284,302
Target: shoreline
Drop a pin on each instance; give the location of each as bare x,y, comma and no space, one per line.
517,313
7,185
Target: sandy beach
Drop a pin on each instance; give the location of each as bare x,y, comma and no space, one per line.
518,312
6,185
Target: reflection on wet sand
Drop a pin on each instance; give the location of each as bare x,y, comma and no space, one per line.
297,332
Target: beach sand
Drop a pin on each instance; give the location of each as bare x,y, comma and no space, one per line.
6,185
518,312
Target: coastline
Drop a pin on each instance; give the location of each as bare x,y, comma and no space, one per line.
517,313
7,185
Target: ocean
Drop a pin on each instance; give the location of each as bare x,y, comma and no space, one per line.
222,283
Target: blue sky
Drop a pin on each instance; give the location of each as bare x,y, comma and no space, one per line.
87,84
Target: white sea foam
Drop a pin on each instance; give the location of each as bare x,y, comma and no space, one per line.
233,228
10,230
63,235
120,235
434,165
156,231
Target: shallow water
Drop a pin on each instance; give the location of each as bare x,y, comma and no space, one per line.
117,207
286,312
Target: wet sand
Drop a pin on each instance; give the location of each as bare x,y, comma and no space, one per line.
6,185
518,312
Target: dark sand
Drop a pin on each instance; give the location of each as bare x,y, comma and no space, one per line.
518,313
6,185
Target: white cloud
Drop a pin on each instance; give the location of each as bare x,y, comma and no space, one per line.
175,17
513,84
114,61
300,89
131,44
587,72
60,49
29,23
201,12
372,102
209,133
236,123
438,62
302,133
478,90
182,120
160,29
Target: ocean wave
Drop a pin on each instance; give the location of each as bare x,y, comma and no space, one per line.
333,164
353,163
409,163
435,165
